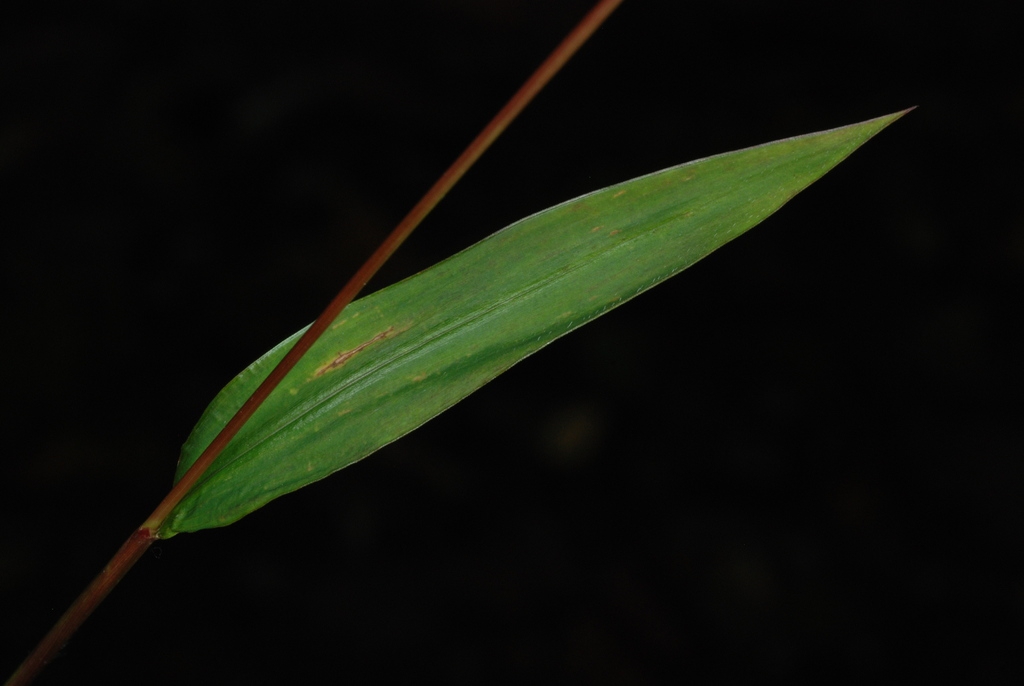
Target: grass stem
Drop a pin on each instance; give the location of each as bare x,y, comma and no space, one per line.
138,542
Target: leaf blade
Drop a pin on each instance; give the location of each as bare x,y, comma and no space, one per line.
406,353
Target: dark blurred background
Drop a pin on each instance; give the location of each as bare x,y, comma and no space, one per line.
801,460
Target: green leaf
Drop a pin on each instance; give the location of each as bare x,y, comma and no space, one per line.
406,353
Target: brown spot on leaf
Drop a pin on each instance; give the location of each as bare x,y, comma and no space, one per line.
345,355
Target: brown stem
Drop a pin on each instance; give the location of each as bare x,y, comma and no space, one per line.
515,105
139,541
123,560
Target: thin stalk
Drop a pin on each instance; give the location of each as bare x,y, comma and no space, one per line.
499,123
123,560
143,537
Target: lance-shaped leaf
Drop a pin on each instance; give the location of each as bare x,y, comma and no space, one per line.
404,354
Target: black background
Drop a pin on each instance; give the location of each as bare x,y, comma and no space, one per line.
800,460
